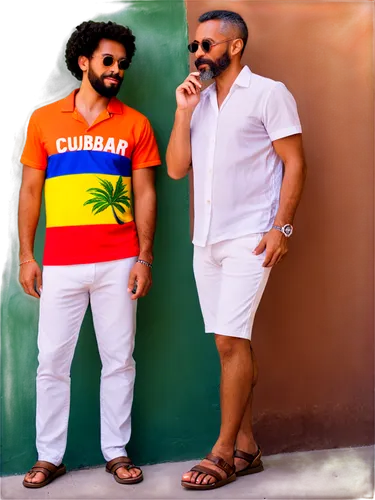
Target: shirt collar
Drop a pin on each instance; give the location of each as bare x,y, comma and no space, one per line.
242,80
68,104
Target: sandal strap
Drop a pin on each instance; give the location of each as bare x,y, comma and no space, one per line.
120,462
207,471
119,465
45,468
222,464
247,456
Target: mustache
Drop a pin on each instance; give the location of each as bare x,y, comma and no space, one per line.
112,75
202,60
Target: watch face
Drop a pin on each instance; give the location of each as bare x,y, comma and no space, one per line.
288,230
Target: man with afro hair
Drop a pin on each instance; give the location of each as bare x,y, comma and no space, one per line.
94,156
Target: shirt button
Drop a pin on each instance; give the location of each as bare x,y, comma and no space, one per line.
208,201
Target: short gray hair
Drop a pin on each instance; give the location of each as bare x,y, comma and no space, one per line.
228,17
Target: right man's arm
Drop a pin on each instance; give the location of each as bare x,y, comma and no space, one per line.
28,215
179,147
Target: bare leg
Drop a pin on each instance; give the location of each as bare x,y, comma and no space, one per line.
235,386
245,439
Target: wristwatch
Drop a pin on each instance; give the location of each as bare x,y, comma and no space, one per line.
287,230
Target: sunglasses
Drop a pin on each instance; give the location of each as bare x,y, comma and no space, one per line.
110,61
206,45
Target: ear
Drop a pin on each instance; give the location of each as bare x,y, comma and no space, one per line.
237,46
83,63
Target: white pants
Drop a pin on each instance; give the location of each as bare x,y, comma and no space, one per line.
66,293
230,282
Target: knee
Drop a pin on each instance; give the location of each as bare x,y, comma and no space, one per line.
53,364
229,346
117,365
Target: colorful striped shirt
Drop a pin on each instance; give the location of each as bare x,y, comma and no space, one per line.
88,188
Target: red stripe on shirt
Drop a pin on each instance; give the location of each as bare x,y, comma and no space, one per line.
72,245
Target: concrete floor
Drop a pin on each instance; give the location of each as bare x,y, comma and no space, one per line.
343,473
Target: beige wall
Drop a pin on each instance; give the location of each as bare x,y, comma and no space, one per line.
314,329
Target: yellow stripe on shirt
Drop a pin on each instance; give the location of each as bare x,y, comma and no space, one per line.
66,196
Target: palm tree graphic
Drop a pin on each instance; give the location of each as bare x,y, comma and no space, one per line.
109,197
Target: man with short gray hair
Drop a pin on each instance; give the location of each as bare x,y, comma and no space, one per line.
242,138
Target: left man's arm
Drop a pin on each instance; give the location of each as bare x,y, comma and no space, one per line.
145,217
290,150
144,158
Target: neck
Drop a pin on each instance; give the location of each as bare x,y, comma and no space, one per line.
88,99
225,81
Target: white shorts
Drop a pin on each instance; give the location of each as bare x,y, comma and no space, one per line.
230,281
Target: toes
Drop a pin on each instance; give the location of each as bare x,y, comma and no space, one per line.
123,473
200,478
194,477
30,476
34,477
206,479
135,472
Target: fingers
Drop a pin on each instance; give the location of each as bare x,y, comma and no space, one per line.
194,78
28,286
139,290
31,279
188,87
268,258
191,85
143,287
38,282
271,258
141,277
260,247
281,257
275,246
131,282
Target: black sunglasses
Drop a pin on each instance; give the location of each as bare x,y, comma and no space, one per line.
110,61
206,45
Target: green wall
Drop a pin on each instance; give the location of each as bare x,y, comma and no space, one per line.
175,412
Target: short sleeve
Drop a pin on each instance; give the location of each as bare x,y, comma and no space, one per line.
146,152
34,154
280,113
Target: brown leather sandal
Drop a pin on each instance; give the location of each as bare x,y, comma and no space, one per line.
50,471
255,462
219,462
118,462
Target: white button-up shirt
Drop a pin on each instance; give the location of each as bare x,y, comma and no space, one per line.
237,173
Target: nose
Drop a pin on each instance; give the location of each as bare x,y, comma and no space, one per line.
199,53
115,67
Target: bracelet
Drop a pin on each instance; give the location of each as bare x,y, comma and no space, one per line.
144,263
27,261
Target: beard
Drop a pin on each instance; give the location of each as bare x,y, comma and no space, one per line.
99,85
215,68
